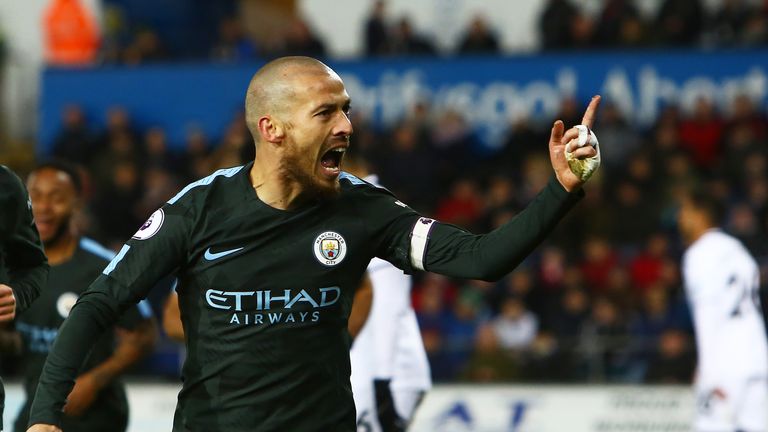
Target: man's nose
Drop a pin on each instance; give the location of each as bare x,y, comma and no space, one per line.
343,126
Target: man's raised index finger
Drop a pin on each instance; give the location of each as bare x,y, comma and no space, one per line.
589,114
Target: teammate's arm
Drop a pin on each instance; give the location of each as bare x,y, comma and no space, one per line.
155,251
361,307
172,318
27,264
10,341
132,346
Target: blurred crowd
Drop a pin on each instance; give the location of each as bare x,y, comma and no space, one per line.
600,301
676,23
224,33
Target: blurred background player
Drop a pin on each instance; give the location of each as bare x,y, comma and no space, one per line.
722,281
23,265
390,371
98,401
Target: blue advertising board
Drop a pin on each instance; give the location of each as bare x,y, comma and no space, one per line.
491,92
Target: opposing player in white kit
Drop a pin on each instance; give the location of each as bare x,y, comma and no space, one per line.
722,281
390,371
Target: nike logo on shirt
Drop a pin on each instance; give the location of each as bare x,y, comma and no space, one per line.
210,256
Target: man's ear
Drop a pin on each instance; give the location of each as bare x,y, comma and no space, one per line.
271,129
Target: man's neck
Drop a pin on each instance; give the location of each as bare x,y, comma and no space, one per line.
274,187
699,232
62,249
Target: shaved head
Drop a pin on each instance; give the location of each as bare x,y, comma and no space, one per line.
297,110
274,87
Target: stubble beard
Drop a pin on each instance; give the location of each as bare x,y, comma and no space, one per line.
312,187
59,234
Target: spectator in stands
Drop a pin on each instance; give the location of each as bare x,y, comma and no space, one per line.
555,24
618,134
195,156
156,153
458,332
376,33
727,23
453,146
118,124
598,260
463,206
546,361
74,142
612,24
519,145
674,361
636,213
515,326
407,167
701,134
743,224
478,38
567,317
488,362
522,285
159,185
679,22
500,195
71,34
406,42
744,113
432,298
551,273
755,31
647,266
582,32
570,109
146,47
115,205
233,44
229,151
300,40
653,316
604,341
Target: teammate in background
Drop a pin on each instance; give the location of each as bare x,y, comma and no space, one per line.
98,401
722,281
23,265
390,371
270,254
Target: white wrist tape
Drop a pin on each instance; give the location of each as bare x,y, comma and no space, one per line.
584,168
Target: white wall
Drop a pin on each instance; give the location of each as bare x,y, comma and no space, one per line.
21,27
341,25
340,22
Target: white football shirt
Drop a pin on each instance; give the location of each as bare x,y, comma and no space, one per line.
722,281
389,346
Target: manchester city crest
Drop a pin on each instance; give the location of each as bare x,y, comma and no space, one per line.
330,248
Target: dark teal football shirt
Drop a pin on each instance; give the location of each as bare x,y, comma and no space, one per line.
265,294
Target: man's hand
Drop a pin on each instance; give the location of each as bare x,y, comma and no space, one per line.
82,395
558,141
43,428
7,303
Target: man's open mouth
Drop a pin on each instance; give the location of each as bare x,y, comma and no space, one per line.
331,160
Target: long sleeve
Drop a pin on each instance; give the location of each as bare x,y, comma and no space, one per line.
454,252
411,242
27,266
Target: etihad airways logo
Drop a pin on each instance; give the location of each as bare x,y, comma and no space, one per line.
281,306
